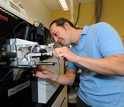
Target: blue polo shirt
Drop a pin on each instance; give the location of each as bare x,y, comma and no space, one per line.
99,41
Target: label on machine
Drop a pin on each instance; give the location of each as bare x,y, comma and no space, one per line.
13,8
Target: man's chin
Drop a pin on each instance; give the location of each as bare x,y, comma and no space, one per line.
66,45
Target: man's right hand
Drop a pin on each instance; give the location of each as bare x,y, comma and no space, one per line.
42,72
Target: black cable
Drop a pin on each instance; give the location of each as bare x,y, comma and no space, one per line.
78,14
17,26
100,12
95,13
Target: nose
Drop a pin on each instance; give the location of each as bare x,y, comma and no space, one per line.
56,39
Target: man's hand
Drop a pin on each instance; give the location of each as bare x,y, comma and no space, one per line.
42,72
64,53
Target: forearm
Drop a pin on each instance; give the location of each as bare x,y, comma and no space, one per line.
108,66
64,79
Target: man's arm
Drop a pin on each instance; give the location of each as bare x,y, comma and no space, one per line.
65,79
112,65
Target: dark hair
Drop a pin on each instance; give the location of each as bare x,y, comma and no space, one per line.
61,21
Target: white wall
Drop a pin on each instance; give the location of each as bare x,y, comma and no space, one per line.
36,11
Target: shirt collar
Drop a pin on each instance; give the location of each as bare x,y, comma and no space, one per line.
84,32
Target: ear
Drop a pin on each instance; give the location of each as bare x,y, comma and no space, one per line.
66,26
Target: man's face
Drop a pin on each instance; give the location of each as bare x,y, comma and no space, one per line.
60,34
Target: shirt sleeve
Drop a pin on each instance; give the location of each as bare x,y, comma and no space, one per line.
109,40
71,66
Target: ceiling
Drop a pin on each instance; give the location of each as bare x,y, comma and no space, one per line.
53,4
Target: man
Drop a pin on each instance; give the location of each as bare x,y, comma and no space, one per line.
98,51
